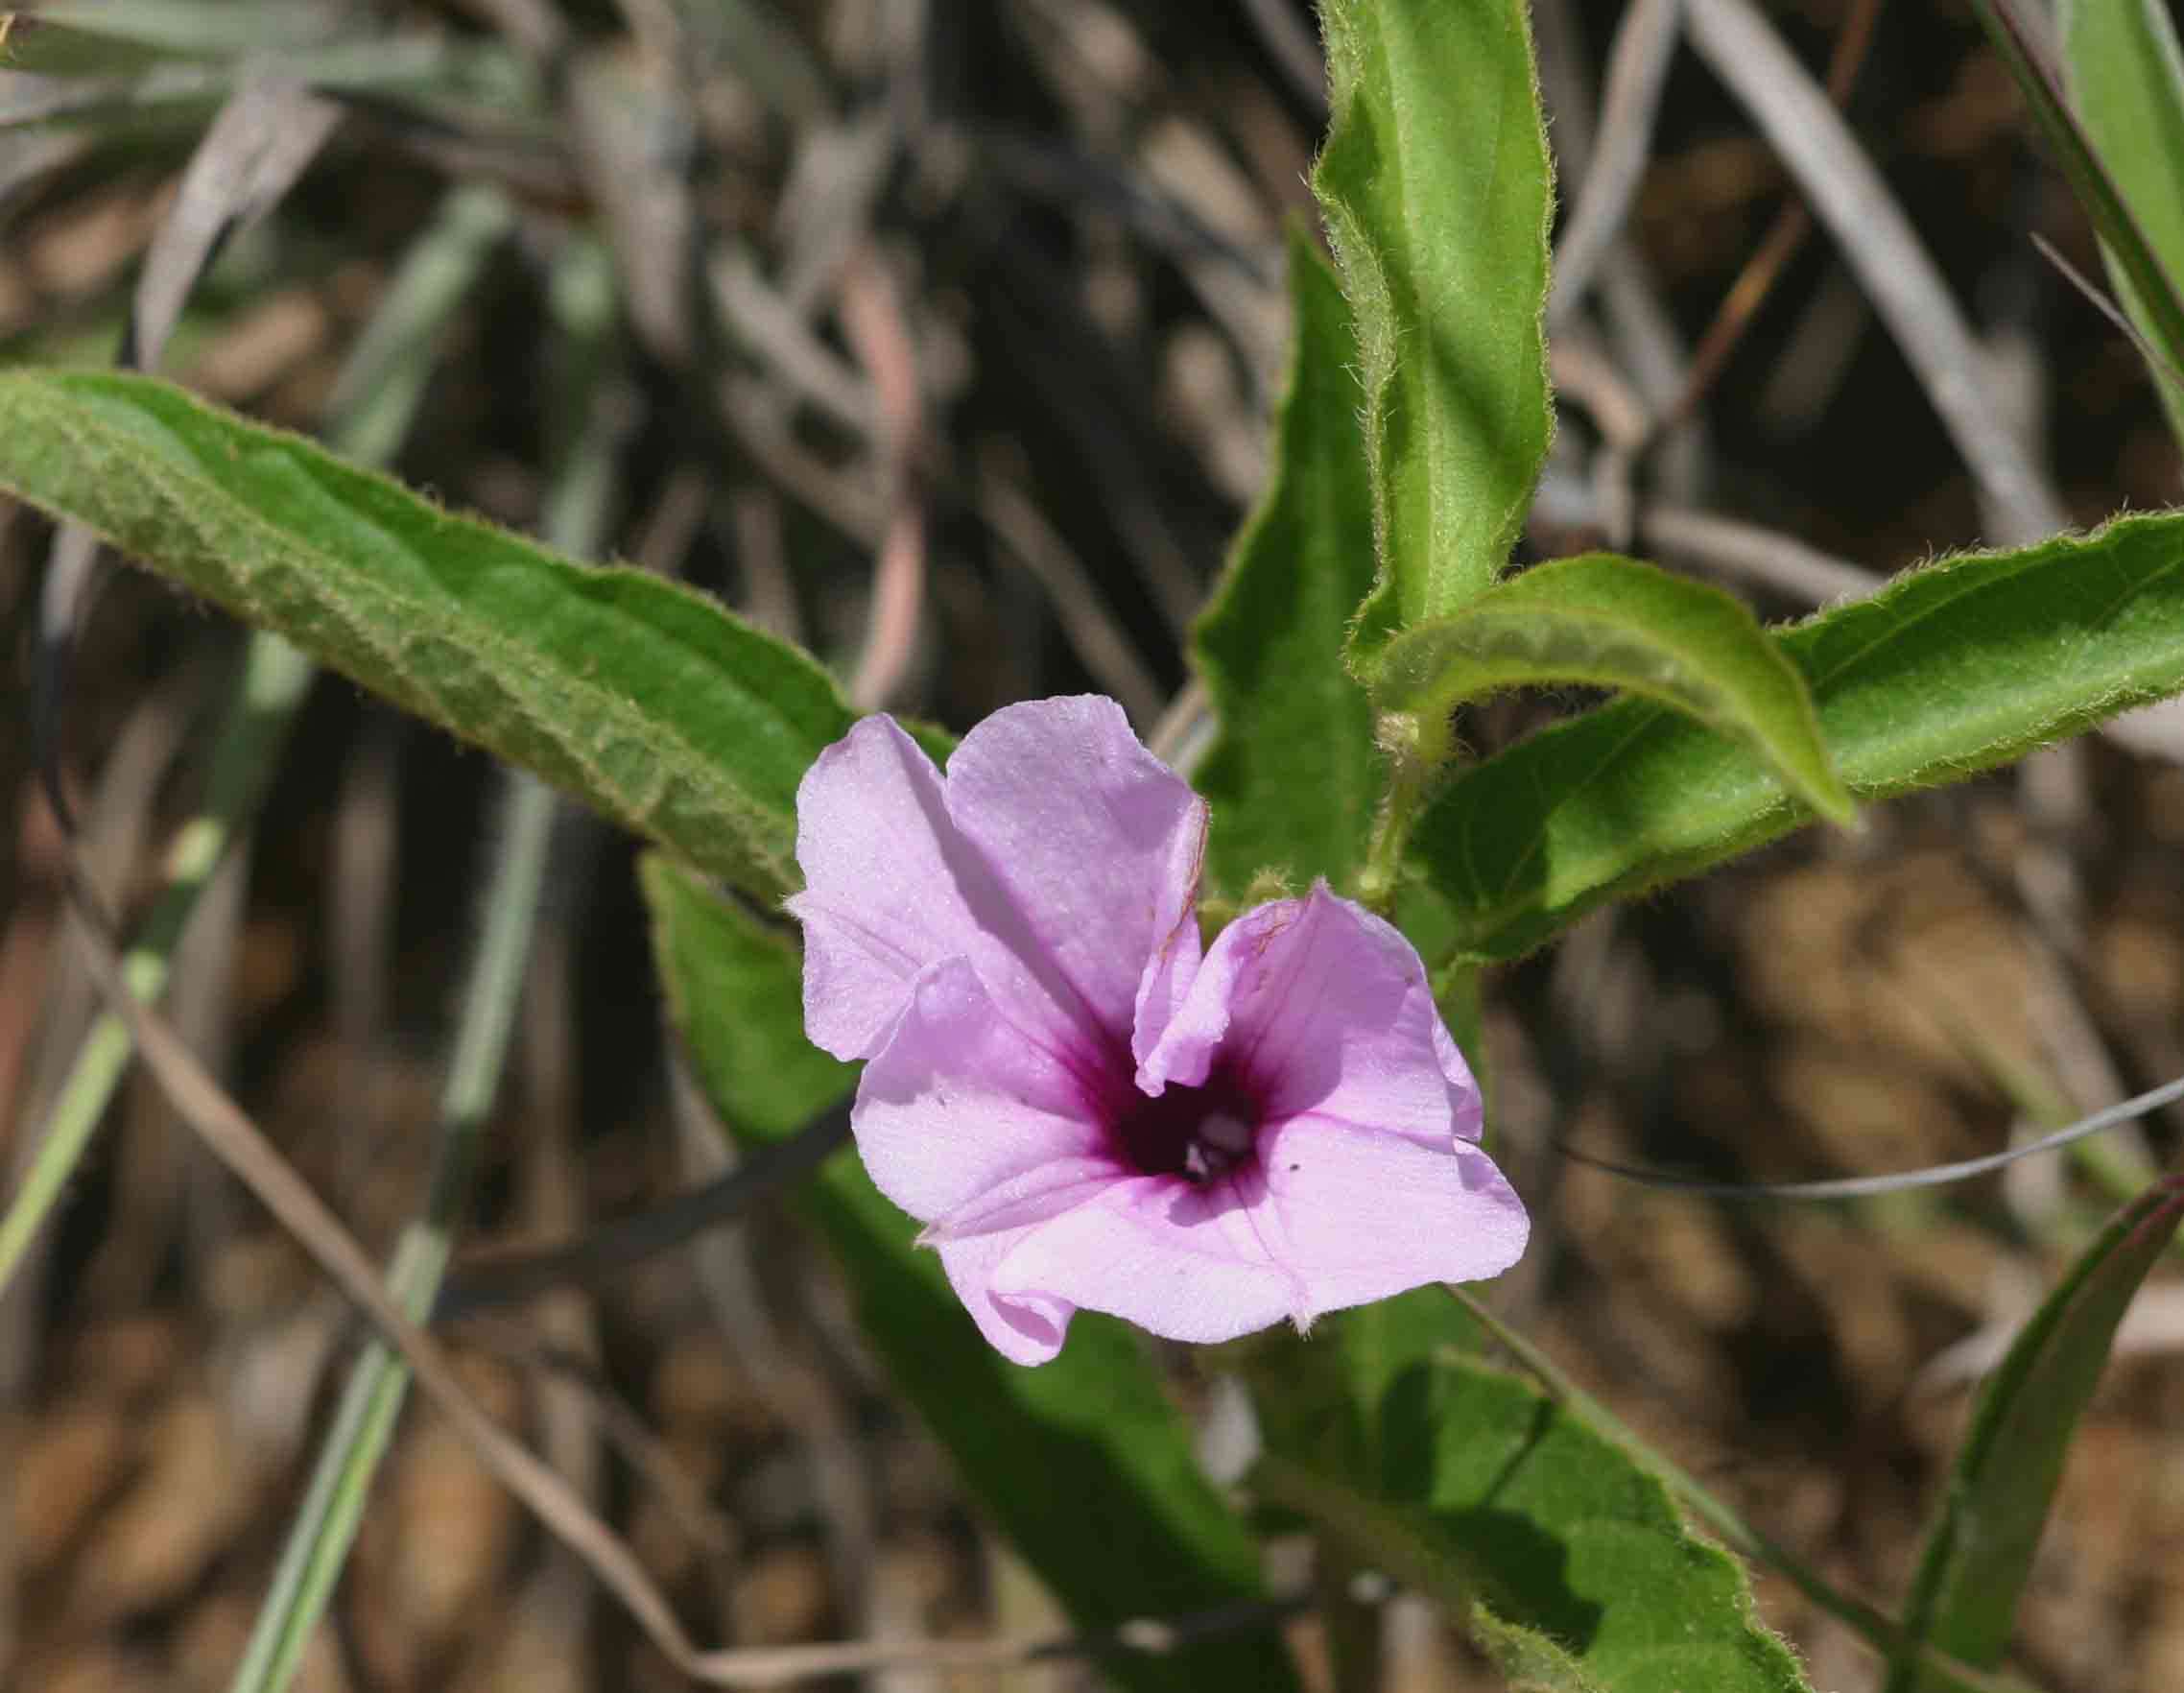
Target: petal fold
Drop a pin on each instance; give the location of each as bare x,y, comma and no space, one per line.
1324,1007
1023,1328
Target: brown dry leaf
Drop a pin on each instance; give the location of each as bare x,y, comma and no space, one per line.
210,1644
1854,1284
195,1491
780,1595
72,1457
1891,959
99,1667
89,246
450,1526
261,347
1868,1114
129,1356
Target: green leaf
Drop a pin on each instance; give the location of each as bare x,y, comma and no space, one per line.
1437,192
1292,775
1562,1557
1947,670
70,38
2125,76
1083,1462
1979,1552
459,81
647,700
1615,623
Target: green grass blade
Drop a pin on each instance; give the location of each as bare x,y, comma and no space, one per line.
371,1399
274,681
2126,77
1978,1553
324,1529
2084,155
76,38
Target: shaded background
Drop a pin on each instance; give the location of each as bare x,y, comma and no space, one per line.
1064,219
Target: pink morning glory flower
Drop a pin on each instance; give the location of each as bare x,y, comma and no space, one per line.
1086,1108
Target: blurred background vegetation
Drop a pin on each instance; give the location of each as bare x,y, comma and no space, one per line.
940,335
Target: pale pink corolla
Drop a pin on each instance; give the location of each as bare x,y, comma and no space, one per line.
1084,1111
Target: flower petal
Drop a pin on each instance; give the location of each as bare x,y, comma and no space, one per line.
960,1108
1098,843
885,874
1024,1329
1326,1008
891,886
1177,1260
1165,984
1360,1214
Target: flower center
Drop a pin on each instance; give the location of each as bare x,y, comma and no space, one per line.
1195,1133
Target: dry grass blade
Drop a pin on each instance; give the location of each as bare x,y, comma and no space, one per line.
1849,196
1637,71
239,1144
1740,306
262,139
872,319
260,143
1781,562
2091,294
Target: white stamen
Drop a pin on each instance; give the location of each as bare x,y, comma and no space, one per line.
1224,1133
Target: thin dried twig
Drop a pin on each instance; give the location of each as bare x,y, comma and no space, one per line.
681,1496
244,1149
1884,250
1781,562
873,319
507,1278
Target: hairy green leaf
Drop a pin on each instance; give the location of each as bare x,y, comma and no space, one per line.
1947,670
1979,1552
1082,1461
1615,623
646,700
1437,191
1294,775
1563,1558
2125,76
